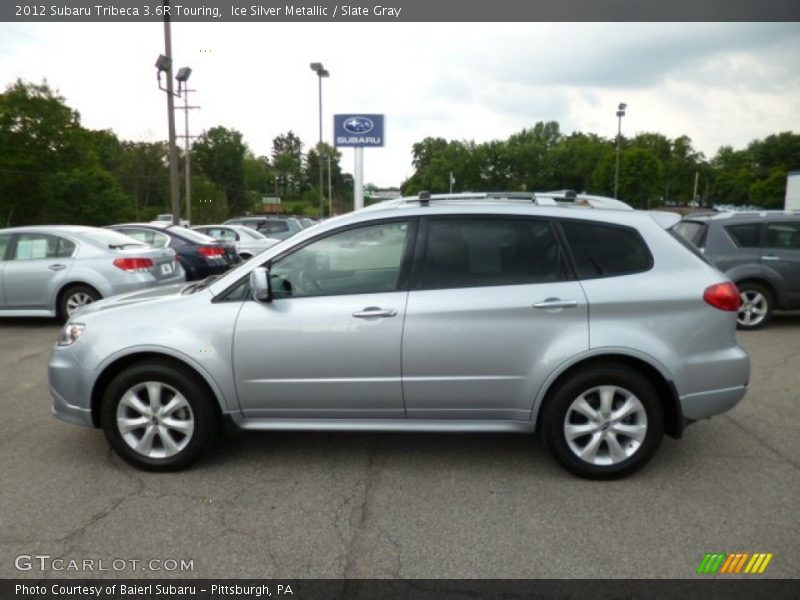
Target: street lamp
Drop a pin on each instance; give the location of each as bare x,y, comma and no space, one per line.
182,77
321,72
620,113
164,65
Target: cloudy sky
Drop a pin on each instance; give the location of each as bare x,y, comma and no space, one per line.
720,84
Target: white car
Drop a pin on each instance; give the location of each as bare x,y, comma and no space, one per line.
248,242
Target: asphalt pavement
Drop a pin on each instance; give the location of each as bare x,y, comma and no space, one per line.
322,505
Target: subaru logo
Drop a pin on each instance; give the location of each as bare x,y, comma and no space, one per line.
358,125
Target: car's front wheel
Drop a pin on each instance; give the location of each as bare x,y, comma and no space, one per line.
158,417
603,422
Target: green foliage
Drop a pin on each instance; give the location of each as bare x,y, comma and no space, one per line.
653,168
220,156
51,169
54,170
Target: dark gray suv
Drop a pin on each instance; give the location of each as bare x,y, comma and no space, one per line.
759,251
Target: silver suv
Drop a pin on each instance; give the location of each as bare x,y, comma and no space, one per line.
484,314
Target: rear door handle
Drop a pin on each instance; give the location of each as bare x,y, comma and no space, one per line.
770,257
57,267
556,303
374,311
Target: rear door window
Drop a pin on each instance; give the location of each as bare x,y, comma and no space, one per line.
470,252
606,250
745,235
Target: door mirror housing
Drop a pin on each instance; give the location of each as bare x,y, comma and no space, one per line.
260,284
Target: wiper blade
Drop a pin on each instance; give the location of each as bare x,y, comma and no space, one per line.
200,285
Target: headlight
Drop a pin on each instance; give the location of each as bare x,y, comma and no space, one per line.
70,333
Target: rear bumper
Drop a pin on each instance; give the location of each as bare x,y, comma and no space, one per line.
704,405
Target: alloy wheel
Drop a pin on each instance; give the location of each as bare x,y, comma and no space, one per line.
155,419
605,425
76,301
753,309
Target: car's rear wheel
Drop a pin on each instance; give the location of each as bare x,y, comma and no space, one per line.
603,422
756,308
74,298
158,417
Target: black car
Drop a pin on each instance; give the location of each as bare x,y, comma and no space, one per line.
199,254
759,251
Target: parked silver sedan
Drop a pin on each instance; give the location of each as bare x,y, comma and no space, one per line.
48,271
248,241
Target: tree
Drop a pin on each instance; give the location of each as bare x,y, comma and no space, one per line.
287,161
219,154
51,168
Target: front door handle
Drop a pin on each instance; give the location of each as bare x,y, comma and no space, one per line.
374,311
57,267
556,303
770,257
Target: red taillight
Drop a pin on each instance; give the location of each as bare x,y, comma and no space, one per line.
133,265
210,251
724,296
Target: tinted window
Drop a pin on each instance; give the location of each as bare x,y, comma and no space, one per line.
274,227
747,235
602,250
4,239
484,252
356,261
783,235
693,232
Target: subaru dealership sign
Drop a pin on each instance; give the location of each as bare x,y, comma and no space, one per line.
358,130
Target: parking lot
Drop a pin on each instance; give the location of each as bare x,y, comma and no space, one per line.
295,505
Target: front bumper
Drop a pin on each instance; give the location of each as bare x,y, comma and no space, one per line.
69,387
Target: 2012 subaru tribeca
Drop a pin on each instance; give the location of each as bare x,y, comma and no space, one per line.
480,314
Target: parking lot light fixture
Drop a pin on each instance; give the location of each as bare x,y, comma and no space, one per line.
620,113
321,72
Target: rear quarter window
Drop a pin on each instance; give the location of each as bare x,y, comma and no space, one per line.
693,232
605,250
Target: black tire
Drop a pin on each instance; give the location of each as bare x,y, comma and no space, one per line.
762,297
202,413
75,295
554,416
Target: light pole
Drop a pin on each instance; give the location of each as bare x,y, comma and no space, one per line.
164,65
321,72
182,77
620,114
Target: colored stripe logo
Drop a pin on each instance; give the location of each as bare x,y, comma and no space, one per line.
734,563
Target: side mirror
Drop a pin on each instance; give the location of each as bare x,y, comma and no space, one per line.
260,284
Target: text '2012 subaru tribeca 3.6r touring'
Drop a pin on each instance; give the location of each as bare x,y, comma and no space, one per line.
597,327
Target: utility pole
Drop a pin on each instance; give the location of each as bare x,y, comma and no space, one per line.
174,186
187,147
